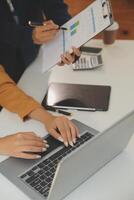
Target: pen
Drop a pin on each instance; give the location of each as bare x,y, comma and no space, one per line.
63,112
34,24
64,29
58,110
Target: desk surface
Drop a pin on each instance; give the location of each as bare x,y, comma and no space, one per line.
116,179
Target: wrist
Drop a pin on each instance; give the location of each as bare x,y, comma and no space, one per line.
1,145
42,115
35,40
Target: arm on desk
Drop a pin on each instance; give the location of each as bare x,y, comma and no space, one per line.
15,100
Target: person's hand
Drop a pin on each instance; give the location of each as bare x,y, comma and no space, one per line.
69,58
19,144
46,33
63,130
60,127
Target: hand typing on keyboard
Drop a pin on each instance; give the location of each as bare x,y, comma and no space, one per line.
64,130
23,145
61,128
41,175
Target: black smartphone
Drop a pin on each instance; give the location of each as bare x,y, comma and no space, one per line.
90,49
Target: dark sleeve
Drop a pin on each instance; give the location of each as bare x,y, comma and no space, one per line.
56,10
19,37
14,34
10,32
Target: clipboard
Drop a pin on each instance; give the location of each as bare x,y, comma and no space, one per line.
80,29
107,4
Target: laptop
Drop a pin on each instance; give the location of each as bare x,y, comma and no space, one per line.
70,96
54,176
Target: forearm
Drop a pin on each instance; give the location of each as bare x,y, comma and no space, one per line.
40,114
13,98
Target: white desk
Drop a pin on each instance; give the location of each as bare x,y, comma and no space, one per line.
115,180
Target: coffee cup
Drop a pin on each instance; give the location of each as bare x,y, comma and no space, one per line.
109,34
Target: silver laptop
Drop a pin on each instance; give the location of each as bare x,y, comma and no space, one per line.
54,176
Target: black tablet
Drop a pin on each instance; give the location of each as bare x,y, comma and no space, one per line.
78,96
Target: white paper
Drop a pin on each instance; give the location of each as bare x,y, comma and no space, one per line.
81,28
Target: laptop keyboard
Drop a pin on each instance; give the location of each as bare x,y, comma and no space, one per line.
41,175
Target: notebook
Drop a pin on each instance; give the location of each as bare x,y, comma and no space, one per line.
78,96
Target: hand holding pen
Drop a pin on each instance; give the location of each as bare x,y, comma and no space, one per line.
45,32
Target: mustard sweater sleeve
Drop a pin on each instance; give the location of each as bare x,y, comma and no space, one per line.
14,99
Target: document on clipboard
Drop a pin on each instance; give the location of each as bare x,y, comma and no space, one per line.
80,29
